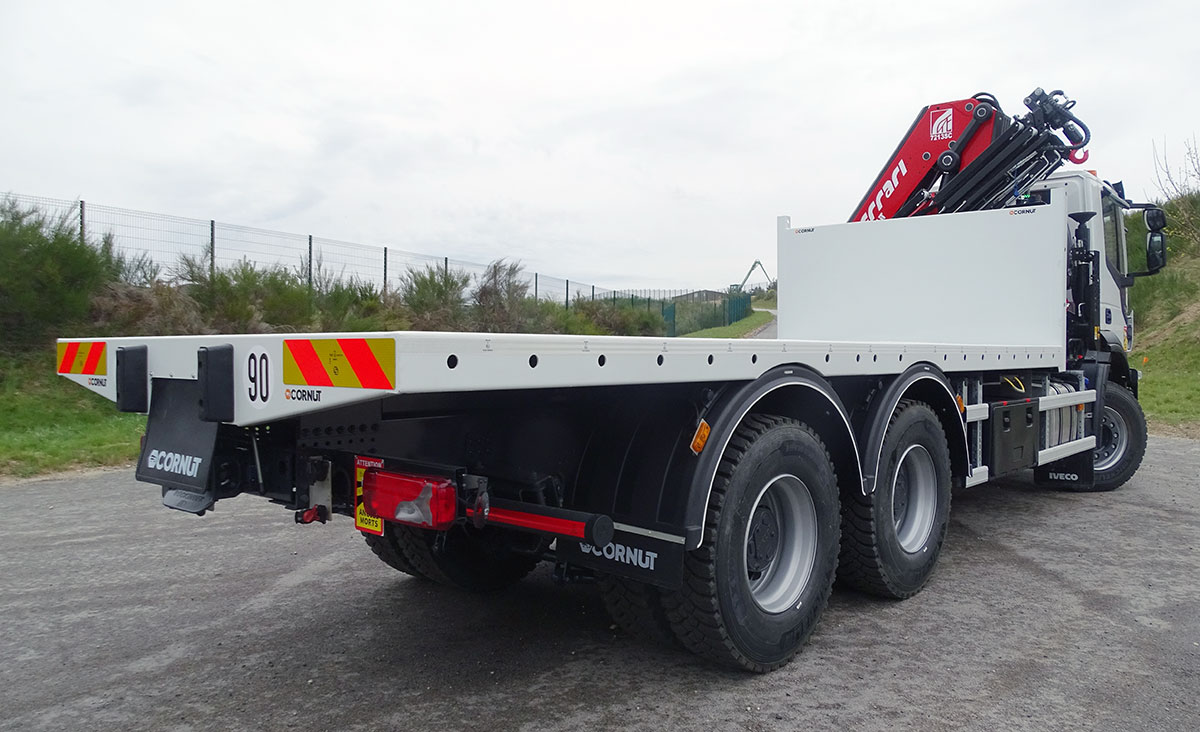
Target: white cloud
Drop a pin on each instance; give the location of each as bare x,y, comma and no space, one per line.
627,144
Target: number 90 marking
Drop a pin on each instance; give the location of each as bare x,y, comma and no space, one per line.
258,378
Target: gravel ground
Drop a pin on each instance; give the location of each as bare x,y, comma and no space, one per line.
1049,610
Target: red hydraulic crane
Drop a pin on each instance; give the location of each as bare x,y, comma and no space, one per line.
969,155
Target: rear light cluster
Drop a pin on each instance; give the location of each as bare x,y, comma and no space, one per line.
430,502
416,500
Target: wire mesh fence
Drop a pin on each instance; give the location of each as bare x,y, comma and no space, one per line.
173,248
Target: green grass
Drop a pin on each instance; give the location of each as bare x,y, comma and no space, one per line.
49,423
769,300
1170,387
740,329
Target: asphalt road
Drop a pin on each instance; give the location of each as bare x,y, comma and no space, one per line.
1048,611
770,330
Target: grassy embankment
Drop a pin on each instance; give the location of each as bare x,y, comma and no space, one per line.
768,300
48,424
1167,323
740,329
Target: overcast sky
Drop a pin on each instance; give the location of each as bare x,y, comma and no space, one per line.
625,144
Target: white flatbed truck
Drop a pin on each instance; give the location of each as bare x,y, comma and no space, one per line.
715,488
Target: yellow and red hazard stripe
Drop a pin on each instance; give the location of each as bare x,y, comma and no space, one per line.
356,363
82,358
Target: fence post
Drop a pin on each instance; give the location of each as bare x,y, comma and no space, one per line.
446,266
212,250
310,264
82,225
535,295
593,293
385,270
567,297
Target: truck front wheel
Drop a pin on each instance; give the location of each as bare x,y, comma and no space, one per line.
1121,444
754,589
891,538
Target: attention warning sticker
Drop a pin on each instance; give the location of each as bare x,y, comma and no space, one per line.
356,363
364,521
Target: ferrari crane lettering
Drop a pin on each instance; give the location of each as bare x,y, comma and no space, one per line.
885,192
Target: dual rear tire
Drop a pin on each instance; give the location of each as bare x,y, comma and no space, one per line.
466,558
892,537
776,535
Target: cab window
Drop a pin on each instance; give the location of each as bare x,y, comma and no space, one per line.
1114,235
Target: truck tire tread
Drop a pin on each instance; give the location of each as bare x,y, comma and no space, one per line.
460,563
388,549
636,608
692,610
860,565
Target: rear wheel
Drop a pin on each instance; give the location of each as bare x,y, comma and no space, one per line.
754,590
1121,444
388,549
476,560
891,539
637,608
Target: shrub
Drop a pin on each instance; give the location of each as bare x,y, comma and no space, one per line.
49,275
122,309
499,301
435,297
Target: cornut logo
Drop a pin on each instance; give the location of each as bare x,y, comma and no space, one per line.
174,462
621,553
302,395
1021,211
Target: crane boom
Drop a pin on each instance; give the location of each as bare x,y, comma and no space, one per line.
759,265
968,155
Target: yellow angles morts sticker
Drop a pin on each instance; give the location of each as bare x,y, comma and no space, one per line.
364,521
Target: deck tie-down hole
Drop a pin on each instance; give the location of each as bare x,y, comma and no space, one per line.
660,359
533,361
451,361
601,360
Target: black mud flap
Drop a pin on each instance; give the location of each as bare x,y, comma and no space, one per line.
178,450
1074,472
637,557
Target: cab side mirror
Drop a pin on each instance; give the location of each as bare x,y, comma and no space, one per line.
1156,249
1155,218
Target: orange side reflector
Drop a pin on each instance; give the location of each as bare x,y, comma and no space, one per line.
701,436
961,407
